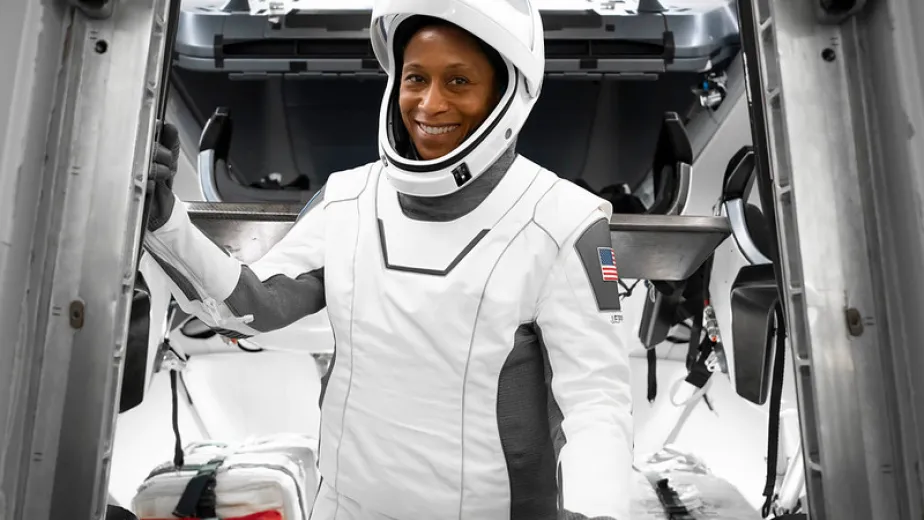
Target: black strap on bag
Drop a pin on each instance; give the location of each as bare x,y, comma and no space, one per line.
198,499
178,458
776,396
175,379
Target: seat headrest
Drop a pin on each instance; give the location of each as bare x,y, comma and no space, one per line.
217,132
739,174
670,169
757,227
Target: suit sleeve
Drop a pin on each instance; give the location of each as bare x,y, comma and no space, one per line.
581,321
238,300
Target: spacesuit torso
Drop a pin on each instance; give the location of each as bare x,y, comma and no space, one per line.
437,359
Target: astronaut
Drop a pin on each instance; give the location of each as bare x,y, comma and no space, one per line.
480,371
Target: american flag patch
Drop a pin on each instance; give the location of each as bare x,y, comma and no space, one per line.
608,264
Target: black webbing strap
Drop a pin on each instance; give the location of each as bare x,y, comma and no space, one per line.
697,308
178,461
776,396
696,332
696,298
652,374
198,500
699,373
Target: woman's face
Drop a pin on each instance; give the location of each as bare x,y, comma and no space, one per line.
447,89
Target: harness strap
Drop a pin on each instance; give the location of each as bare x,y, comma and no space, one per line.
198,499
776,395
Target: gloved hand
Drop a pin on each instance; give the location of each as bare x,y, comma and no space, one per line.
163,169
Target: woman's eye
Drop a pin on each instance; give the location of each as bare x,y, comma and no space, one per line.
413,78
458,81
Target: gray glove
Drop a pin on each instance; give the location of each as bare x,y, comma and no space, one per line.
163,169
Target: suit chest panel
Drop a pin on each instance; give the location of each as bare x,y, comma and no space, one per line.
433,280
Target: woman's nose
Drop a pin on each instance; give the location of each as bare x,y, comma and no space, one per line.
433,100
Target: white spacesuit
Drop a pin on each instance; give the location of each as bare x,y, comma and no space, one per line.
479,370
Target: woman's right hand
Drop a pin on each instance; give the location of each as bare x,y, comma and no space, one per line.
163,169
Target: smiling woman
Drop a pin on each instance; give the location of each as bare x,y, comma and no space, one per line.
450,83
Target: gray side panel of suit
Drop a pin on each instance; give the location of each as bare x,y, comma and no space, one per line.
529,424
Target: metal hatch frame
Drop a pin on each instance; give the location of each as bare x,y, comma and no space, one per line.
76,175
840,102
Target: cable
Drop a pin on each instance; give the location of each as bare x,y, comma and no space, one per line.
628,292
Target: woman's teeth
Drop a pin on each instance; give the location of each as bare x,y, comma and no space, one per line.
437,130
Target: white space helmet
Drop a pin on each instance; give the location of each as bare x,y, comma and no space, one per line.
513,28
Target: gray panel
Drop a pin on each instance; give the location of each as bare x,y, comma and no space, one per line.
432,272
587,247
529,427
279,301
663,247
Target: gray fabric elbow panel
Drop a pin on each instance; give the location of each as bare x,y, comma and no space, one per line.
279,301
588,247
